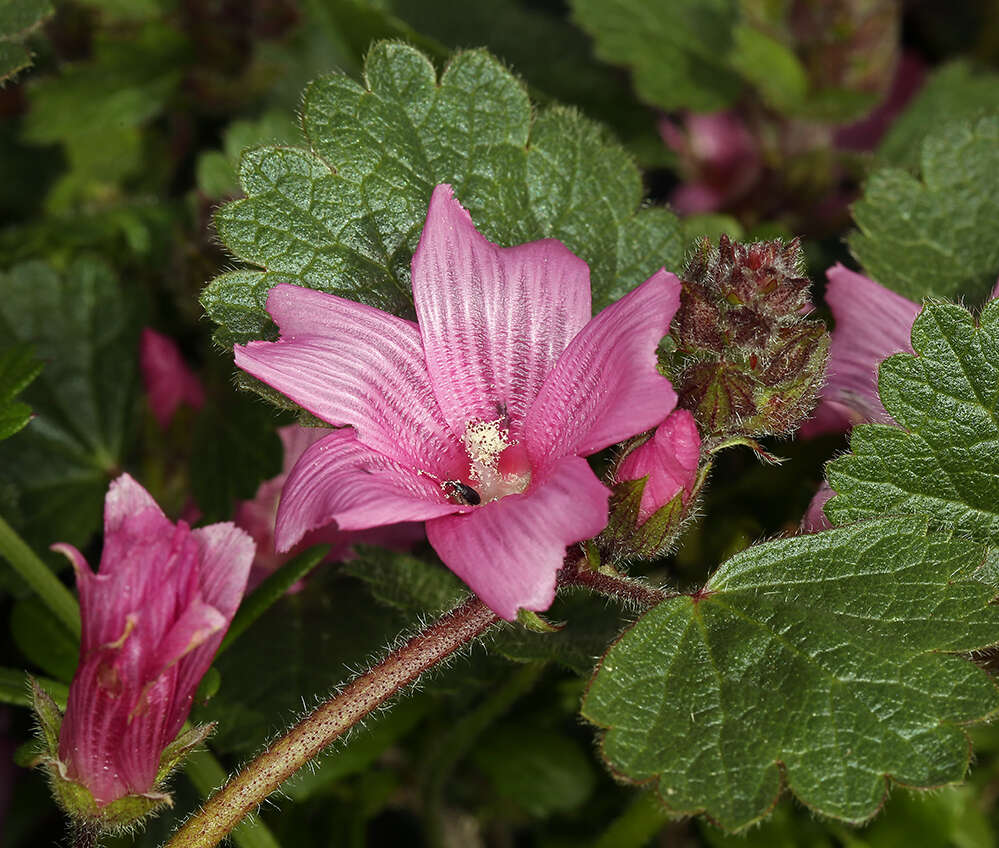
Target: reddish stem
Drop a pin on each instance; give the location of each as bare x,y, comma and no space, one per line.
248,789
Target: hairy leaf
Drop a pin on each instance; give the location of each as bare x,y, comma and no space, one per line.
937,235
943,462
955,91
822,662
18,367
84,328
18,20
346,215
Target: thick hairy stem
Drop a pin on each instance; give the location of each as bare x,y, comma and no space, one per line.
248,789
83,835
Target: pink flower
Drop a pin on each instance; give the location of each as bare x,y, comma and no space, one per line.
153,617
872,323
719,156
814,520
477,419
169,382
669,459
257,516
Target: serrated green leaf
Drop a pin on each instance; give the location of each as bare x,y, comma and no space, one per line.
235,448
345,216
18,367
942,462
954,92
404,581
817,662
937,235
84,328
677,51
18,20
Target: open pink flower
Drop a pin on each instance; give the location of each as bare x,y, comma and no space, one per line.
153,617
477,419
872,323
169,382
669,459
257,516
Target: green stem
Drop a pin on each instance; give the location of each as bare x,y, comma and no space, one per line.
40,578
365,693
459,741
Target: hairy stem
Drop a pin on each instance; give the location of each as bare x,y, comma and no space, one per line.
638,595
40,578
248,789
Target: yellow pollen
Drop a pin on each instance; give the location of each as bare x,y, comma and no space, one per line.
485,441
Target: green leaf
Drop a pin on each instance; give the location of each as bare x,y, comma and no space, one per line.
84,326
941,462
346,215
822,662
954,92
43,639
540,770
18,367
677,49
300,648
96,109
938,235
18,20
418,587
235,448
217,175
271,590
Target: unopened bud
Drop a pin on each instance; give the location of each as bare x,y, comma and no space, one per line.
654,487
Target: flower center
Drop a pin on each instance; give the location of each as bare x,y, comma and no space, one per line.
498,466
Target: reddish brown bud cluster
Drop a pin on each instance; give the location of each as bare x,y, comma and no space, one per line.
747,362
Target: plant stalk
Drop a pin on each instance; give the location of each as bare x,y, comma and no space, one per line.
365,693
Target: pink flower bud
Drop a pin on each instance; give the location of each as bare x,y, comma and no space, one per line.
669,459
153,617
169,382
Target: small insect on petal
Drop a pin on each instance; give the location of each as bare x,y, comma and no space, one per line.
461,492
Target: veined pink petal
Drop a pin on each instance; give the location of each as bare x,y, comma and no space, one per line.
341,479
814,519
350,364
509,551
125,499
494,320
606,387
149,634
169,382
872,323
669,459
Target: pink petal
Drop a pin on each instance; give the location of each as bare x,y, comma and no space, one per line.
126,498
169,382
353,365
226,554
872,323
343,480
509,550
669,459
606,387
494,320
814,520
